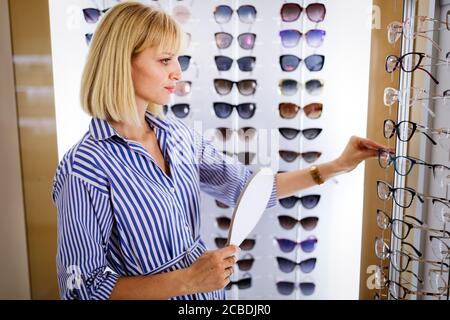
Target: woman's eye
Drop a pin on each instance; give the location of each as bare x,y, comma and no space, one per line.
165,61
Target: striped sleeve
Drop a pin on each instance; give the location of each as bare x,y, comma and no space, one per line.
84,227
222,177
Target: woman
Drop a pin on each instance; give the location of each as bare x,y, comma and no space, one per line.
128,193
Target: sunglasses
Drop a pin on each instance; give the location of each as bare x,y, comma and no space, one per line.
400,228
246,87
243,157
291,37
244,283
291,133
182,14
288,223
221,205
247,244
245,110
246,40
411,62
245,64
289,87
92,15
406,129
290,110
291,62
291,156
308,202
307,245
404,165
183,88
290,12
246,14
403,197
180,110
246,262
287,266
88,38
286,288
246,133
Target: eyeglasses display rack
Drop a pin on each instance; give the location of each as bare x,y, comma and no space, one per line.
414,246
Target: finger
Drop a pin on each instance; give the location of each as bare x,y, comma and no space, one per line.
230,262
228,251
228,273
370,144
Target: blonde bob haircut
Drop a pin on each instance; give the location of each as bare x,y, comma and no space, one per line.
107,90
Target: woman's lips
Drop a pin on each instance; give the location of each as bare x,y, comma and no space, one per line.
170,89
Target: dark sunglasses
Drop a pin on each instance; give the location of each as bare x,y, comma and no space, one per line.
313,63
180,110
247,244
291,12
246,262
410,62
244,283
291,133
289,87
243,157
405,130
246,87
245,110
291,156
92,15
287,266
308,202
184,62
288,223
223,223
290,110
245,40
286,288
291,37
245,133
246,13
246,64
404,165
221,205
307,245
88,38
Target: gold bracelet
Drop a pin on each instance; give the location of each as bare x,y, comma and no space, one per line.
315,174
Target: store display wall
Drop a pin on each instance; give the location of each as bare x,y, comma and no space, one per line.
345,76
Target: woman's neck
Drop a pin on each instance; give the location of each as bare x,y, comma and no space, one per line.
134,132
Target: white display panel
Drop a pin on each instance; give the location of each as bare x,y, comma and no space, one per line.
345,99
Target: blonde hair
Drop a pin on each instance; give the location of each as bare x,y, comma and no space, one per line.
107,90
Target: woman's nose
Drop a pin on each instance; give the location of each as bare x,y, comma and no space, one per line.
176,74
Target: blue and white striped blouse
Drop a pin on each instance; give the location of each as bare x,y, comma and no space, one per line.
119,214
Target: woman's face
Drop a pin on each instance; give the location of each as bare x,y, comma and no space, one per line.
154,76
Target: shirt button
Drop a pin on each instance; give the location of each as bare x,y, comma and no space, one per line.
172,190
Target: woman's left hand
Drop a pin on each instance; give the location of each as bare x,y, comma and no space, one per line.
357,150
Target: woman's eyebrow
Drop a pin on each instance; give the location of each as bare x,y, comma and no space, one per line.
168,53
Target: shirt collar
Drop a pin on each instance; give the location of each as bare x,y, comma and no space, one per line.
100,129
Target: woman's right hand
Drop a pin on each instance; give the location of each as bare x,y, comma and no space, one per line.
212,270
